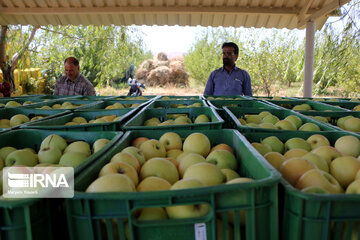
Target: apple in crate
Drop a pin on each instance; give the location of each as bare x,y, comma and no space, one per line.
205,172
153,148
112,183
171,140
153,183
120,168
160,167
222,159
344,169
197,143
21,157
348,146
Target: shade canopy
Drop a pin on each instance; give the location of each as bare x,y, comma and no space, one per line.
236,13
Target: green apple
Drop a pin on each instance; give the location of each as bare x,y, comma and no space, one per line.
99,144
267,126
79,146
182,120
18,119
344,169
275,143
315,189
293,168
354,187
295,152
50,155
317,160
264,114
152,122
153,148
297,143
120,168
12,104
309,127
153,183
171,140
72,159
275,159
328,153
202,118
79,120
112,183
21,157
317,140
285,125
126,158
205,172
340,122
191,210
250,118
295,120
348,146
270,119
54,140
197,143
188,160
319,178
222,159
160,167
5,151
302,107
136,152
150,214
229,174
320,118
261,148
352,124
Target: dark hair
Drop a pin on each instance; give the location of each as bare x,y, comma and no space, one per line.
233,45
72,60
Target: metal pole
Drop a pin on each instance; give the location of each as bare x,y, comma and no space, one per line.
309,59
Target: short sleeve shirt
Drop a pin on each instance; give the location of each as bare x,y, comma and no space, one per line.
80,86
222,83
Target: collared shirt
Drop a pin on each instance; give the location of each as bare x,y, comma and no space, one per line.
80,86
222,83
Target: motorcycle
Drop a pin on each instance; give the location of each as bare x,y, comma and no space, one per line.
136,88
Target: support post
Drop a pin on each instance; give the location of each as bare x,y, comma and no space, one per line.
309,59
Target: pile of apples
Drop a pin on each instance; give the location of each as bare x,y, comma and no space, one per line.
267,120
119,105
54,151
17,120
102,119
313,165
349,123
176,119
5,89
169,164
64,105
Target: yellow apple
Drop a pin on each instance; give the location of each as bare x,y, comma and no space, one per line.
317,160
354,187
205,172
344,169
293,168
285,125
4,151
229,174
328,153
197,143
315,189
261,148
275,143
21,157
153,183
240,180
72,159
250,118
275,159
295,120
126,158
171,140
99,144
317,140
352,124
78,146
18,119
348,146
202,118
138,141
152,122
296,152
297,142
153,148
173,153
79,120
120,168
112,183
319,178
222,146
159,167
309,127
222,159
188,160
136,152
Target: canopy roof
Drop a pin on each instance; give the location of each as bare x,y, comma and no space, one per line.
236,13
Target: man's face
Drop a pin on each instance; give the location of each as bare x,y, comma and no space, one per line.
71,71
229,57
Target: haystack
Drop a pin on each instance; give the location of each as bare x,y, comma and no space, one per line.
159,76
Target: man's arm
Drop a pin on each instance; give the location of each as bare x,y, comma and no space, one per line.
89,90
247,85
209,88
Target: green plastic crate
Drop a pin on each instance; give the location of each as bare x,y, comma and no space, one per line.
30,113
30,218
174,103
56,97
235,112
126,103
144,97
34,101
85,104
59,122
96,98
317,106
218,104
314,216
167,98
343,104
137,122
270,98
87,212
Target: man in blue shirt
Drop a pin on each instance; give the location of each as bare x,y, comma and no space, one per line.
229,79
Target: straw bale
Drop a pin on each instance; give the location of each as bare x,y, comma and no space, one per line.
158,76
